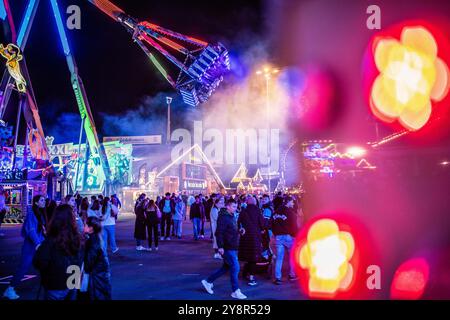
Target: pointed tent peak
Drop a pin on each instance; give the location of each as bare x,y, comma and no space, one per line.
186,154
258,176
240,174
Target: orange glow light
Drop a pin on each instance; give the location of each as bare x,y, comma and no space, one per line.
412,76
326,255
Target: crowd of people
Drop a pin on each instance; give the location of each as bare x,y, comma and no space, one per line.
243,228
72,234
79,231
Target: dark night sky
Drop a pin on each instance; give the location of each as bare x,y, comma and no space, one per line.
116,73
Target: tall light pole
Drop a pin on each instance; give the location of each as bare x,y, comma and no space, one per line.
169,101
267,72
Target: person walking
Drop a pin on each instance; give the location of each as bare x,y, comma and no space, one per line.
152,220
96,263
62,248
284,227
196,213
140,223
167,207
109,225
33,232
250,243
178,217
227,235
219,204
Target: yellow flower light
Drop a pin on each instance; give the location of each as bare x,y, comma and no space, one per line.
326,255
411,77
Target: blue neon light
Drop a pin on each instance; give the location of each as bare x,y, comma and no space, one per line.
27,19
60,25
2,11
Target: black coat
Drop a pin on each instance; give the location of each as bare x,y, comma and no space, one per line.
197,211
139,225
227,234
250,246
52,263
96,264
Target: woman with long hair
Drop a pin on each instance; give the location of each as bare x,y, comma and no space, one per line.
94,210
219,203
96,262
109,226
153,219
33,232
49,209
62,248
70,200
84,207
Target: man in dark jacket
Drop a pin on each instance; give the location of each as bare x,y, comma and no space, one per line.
196,214
227,235
284,228
167,207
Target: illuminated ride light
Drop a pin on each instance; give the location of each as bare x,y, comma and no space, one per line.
326,255
410,280
411,77
202,68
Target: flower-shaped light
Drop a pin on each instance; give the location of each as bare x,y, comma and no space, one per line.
411,77
326,255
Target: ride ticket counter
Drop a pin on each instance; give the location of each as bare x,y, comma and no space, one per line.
19,196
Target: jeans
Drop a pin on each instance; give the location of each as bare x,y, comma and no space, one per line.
152,230
165,224
230,262
196,225
109,234
283,242
202,231
26,261
61,294
177,227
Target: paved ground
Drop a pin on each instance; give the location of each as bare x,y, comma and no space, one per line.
174,272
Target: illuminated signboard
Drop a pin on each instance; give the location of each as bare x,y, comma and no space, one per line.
194,185
155,139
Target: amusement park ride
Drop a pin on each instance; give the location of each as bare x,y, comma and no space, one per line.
200,73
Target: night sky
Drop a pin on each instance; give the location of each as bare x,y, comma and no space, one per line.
117,74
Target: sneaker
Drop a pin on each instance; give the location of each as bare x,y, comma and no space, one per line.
10,294
238,295
148,249
115,250
278,281
202,236
218,256
208,286
168,238
140,248
292,278
156,248
252,283
162,239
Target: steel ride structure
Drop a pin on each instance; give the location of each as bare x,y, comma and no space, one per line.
199,74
